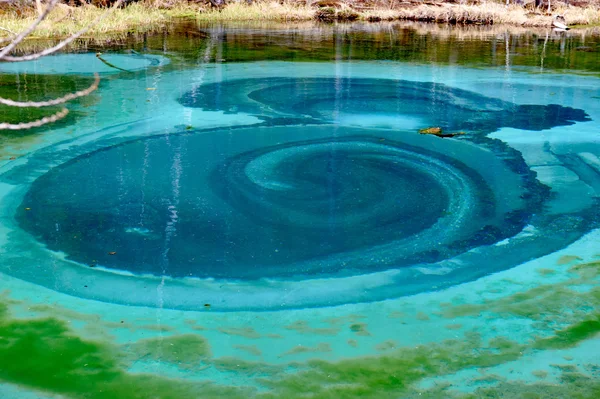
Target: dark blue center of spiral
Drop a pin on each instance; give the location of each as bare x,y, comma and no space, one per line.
310,198
277,202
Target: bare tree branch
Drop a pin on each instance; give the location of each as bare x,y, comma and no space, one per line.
38,4
99,56
14,42
56,101
60,45
27,31
40,122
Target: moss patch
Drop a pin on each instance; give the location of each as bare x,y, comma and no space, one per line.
45,354
540,373
578,387
422,316
246,332
586,270
393,374
572,335
453,326
320,348
386,346
546,272
182,350
258,369
566,259
50,356
251,349
303,327
540,303
351,318
360,329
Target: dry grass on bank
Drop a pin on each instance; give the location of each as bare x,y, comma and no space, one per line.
261,10
489,13
65,20
149,15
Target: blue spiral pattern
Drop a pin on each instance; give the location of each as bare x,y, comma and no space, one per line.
302,195
338,202
332,99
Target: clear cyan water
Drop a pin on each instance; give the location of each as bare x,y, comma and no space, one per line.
252,212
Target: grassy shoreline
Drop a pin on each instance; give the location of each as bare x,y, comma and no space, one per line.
145,16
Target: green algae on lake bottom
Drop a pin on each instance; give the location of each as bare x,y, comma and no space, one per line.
184,351
573,334
46,353
543,303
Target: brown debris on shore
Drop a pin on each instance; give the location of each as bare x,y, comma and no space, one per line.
152,14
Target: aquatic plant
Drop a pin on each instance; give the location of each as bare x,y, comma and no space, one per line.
47,353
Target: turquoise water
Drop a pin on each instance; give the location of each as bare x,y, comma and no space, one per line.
283,229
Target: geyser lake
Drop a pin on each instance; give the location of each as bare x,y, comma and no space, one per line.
236,202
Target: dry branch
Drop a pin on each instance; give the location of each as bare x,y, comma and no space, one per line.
14,42
27,31
60,45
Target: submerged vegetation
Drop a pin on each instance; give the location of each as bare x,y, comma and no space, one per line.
46,352
148,15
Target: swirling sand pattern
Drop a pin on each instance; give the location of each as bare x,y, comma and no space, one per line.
324,205
298,200
339,99
382,204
